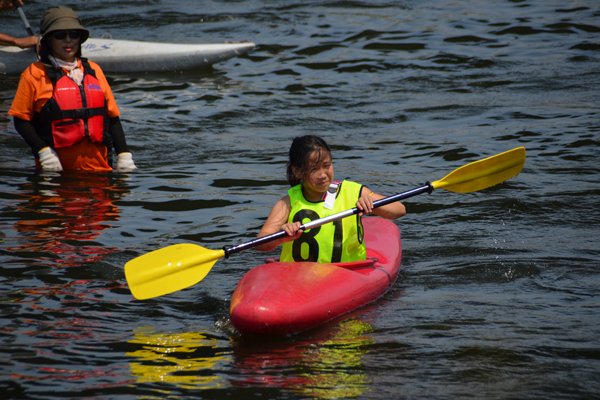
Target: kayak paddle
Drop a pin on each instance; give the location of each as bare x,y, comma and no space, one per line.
179,266
25,21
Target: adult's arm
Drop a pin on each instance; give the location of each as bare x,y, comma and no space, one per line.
24,43
115,129
6,4
6,40
28,133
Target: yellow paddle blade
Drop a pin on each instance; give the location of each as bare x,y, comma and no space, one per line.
483,173
169,269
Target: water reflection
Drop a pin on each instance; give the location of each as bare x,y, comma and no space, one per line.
327,366
62,214
186,359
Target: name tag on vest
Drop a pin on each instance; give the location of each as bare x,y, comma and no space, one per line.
331,195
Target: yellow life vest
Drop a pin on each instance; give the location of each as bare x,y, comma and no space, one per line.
338,241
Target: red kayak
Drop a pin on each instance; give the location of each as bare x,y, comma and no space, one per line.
281,298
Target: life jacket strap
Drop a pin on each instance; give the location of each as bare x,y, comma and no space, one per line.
81,113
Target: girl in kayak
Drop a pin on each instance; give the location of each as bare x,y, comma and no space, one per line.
64,107
314,195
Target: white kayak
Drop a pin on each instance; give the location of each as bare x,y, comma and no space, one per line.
114,55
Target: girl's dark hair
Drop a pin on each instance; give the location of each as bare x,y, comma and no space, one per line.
46,50
300,152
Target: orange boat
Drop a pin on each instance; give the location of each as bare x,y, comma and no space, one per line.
282,298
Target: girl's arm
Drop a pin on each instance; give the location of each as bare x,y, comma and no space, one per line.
276,222
390,211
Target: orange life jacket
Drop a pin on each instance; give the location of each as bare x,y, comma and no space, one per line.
73,112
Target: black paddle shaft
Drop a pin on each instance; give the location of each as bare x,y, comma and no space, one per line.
427,188
25,22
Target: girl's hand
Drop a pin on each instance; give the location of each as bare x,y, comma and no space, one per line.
365,203
390,211
293,230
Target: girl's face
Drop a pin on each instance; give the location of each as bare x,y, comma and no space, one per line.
318,176
65,47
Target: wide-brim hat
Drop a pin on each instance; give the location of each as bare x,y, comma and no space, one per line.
61,19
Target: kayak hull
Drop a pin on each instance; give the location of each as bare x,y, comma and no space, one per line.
134,56
282,298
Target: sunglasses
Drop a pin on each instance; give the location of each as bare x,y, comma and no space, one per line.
62,35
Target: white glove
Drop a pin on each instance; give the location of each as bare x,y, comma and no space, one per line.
125,162
49,159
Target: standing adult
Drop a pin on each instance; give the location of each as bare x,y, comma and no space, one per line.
64,107
6,40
